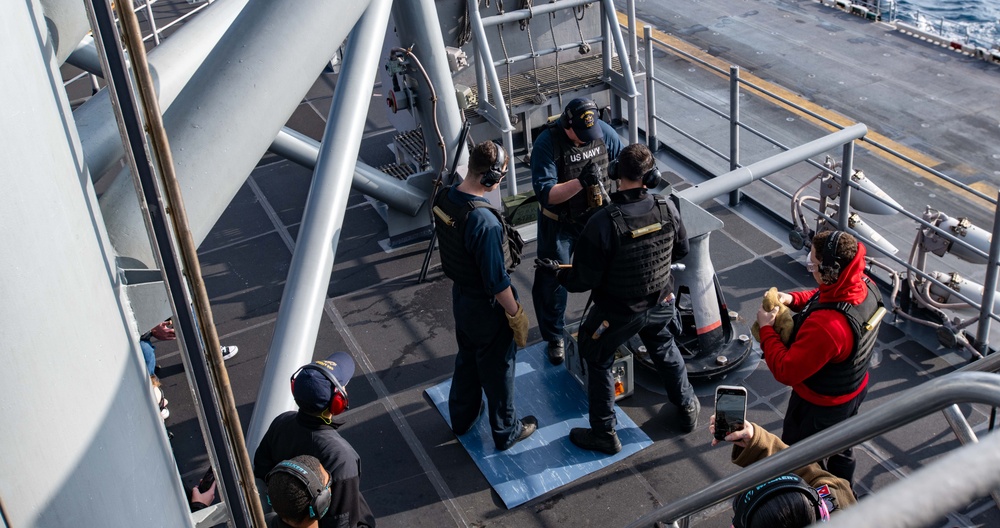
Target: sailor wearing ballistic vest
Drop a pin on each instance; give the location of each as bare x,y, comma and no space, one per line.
624,256
826,363
569,163
478,252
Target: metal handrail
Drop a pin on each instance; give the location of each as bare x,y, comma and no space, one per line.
904,408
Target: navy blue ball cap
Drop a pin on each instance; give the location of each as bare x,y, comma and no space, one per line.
583,118
312,390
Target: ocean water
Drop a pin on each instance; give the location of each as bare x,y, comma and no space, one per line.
976,21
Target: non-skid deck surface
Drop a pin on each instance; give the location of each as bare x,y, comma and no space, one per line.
547,459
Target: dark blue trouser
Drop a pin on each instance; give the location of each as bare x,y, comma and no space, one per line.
484,363
653,329
556,240
804,419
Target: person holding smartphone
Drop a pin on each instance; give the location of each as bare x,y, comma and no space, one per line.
752,443
826,363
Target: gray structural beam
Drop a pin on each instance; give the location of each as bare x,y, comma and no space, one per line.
229,112
67,24
319,234
304,150
419,30
79,422
172,64
84,56
613,32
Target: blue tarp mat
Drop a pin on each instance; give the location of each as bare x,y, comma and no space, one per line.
547,459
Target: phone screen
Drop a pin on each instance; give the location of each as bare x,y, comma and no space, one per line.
730,410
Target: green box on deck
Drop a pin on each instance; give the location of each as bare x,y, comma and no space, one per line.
518,211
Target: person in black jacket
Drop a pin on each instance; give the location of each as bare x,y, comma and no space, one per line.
320,393
623,256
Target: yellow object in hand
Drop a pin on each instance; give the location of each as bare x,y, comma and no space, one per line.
783,323
519,324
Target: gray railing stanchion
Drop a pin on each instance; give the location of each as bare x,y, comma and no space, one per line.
633,47
989,285
734,128
647,35
152,21
846,169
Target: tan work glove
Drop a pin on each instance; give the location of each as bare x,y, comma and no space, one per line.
519,324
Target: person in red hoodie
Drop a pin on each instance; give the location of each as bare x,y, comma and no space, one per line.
826,361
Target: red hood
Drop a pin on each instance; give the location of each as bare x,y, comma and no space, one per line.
849,286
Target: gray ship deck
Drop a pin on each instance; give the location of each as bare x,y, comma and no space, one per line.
415,473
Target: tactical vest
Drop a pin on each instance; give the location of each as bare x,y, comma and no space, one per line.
570,161
641,265
458,262
836,379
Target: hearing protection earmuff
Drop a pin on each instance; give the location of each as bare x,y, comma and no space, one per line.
747,502
319,493
497,170
651,178
338,402
831,264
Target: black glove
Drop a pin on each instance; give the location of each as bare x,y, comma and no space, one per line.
590,176
551,265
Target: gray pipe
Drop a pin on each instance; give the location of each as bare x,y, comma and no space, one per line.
172,65
735,179
226,116
84,56
67,23
312,262
956,479
302,149
538,10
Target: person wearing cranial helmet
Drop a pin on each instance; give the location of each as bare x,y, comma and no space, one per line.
320,392
569,162
826,362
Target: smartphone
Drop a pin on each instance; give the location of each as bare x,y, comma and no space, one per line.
730,410
206,481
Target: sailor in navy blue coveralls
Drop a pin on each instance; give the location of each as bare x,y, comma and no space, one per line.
473,256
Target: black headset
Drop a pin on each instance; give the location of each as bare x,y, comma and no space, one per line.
747,502
319,493
576,107
338,400
831,263
496,172
651,178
